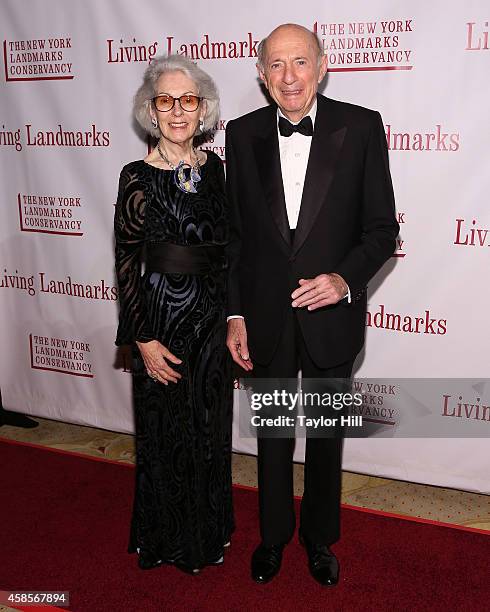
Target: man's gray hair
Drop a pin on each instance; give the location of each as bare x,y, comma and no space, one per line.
162,64
262,46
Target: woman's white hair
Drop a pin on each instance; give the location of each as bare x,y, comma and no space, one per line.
161,64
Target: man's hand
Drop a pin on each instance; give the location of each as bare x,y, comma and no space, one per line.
155,356
323,290
236,341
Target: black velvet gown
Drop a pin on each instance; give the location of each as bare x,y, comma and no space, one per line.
183,501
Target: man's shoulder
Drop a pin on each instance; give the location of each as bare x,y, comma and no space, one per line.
349,113
253,120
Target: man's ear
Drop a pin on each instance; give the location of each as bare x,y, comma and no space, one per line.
323,68
262,75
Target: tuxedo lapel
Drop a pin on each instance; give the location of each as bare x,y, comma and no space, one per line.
327,141
266,150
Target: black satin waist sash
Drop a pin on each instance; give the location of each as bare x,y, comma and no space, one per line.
168,258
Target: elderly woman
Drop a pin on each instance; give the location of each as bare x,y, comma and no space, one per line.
171,209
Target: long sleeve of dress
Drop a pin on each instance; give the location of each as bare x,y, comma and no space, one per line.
129,241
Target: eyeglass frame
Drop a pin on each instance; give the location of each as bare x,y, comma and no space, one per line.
200,99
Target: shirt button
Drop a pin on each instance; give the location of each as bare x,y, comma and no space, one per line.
297,154
298,184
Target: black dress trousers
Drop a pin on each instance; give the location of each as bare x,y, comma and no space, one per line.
320,505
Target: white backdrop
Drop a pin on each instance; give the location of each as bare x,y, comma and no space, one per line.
70,71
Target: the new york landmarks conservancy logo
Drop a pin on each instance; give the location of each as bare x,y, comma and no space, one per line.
40,59
400,242
377,402
64,355
50,214
383,44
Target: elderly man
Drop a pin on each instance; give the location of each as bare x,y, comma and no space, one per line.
312,220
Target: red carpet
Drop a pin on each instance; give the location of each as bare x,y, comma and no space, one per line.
65,523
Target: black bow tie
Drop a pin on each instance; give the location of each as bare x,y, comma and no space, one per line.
305,127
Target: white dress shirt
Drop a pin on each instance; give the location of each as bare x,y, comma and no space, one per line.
294,152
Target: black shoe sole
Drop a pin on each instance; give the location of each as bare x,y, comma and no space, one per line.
150,566
263,581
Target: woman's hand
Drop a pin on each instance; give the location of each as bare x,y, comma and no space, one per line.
155,356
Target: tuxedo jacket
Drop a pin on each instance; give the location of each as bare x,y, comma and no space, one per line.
346,224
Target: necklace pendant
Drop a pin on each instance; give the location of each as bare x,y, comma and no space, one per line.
187,184
195,176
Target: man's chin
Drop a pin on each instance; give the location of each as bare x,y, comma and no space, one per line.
292,106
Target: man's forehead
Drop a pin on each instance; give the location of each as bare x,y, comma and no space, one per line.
297,46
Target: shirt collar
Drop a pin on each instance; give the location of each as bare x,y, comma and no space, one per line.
311,114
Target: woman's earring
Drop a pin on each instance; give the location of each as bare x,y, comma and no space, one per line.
201,125
154,122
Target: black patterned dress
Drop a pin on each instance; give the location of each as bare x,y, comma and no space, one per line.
183,501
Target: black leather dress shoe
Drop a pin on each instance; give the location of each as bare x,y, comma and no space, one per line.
15,419
266,562
322,563
147,560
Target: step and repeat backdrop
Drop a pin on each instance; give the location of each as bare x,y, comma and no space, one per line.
70,71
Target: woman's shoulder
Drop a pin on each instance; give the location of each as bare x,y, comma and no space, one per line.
136,170
138,165
134,176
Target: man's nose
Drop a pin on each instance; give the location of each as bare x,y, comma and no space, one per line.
289,75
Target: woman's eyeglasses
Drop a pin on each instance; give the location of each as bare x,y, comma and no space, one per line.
188,102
